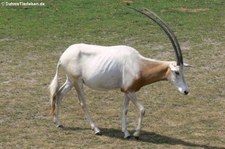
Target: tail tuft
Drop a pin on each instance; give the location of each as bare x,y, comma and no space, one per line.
53,88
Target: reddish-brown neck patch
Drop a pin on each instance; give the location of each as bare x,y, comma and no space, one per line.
151,71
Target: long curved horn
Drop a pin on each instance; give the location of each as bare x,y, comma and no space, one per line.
168,32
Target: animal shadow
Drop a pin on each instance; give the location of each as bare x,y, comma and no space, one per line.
152,137
148,137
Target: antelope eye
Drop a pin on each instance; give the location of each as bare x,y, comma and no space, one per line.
177,72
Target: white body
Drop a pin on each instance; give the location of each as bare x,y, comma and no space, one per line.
101,68
107,68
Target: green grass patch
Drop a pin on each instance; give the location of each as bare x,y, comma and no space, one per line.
33,37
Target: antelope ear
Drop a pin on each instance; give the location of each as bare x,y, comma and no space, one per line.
174,67
187,65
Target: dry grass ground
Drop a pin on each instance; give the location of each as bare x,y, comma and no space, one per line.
29,51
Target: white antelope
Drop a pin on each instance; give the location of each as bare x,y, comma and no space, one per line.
115,67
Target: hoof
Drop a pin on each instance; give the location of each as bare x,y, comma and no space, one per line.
59,126
136,137
127,137
98,133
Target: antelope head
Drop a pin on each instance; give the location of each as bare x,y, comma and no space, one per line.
175,72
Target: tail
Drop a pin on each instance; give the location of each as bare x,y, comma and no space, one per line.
53,88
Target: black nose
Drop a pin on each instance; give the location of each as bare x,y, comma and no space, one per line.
186,92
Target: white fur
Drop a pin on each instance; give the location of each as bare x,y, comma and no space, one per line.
99,67
178,80
103,68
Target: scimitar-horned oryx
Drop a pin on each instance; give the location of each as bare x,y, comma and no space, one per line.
115,67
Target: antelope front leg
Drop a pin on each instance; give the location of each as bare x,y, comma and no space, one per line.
124,117
133,98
